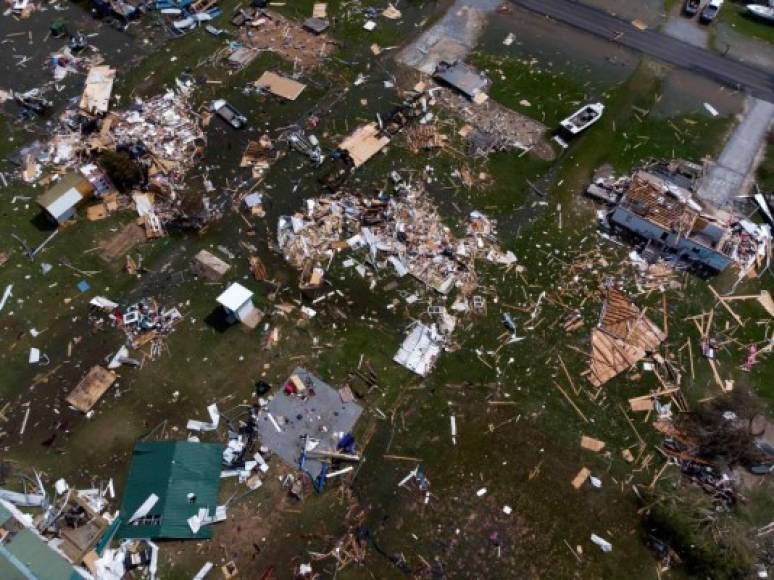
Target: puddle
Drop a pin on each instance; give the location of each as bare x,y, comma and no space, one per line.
684,93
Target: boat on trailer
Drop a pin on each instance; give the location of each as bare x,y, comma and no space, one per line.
762,12
578,122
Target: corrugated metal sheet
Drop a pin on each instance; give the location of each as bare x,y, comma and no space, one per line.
171,470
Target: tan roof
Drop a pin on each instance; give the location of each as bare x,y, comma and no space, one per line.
280,86
62,187
364,143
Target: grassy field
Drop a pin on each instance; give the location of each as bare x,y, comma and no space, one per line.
734,15
766,168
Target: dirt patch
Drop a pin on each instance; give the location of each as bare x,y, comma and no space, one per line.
287,39
508,128
119,244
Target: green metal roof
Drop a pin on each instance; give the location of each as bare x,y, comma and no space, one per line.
5,514
26,556
171,470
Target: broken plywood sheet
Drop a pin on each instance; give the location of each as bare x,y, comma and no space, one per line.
364,143
592,444
638,404
391,12
207,265
767,302
280,86
99,86
581,478
91,388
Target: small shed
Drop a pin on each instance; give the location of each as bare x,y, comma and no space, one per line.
61,200
184,478
237,301
208,266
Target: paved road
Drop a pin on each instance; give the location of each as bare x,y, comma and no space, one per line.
757,82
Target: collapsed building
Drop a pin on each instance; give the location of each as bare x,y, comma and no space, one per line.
404,233
159,140
656,204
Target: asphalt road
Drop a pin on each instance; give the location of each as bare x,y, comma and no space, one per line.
738,75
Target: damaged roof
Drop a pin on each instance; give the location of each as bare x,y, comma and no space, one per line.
24,554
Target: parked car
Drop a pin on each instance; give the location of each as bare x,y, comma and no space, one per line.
710,11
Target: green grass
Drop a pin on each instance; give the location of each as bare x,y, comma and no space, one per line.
765,173
670,4
495,449
536,91
734,15
629,134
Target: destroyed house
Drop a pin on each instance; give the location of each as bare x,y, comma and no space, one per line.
25,554
665,214
61,200
169,483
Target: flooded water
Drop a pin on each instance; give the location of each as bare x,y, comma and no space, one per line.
579,55
685,93
649,11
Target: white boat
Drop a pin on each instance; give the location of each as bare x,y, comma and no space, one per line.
578,122
185,23
583,118
762,12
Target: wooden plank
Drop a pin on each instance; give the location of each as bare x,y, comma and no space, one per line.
569,400
726,306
